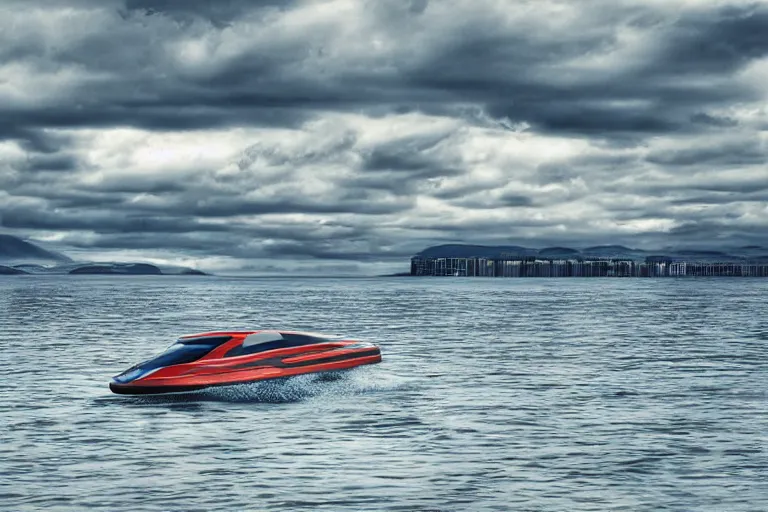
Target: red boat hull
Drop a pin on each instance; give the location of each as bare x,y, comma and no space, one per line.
220,367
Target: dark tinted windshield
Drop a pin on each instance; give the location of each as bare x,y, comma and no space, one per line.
183,351
179,353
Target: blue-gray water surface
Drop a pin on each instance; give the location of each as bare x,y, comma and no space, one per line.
493,394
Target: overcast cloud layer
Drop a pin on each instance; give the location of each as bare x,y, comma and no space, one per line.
339,134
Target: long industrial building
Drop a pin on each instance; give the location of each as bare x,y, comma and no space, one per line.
536,267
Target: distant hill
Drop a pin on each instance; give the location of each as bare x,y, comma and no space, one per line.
110,268
18,256
742,254
558,252
474,251
607,248
16,249
10,271
116,268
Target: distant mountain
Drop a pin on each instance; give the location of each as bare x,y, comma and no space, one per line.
492,251
558,252
696,253
110,268
607,248
190,272
10,271
742,254
18,256
144,269
16,249
117,268
474,251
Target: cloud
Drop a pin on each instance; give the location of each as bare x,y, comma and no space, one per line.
722,151
221,13
342,131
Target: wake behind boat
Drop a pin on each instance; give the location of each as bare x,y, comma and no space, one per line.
208,359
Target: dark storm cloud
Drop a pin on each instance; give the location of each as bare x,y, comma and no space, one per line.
499,70
515,200
752,183
36,141
195,113
259,246
239,240
362,202
723,231
180,217
112,194
505,200
721,122
514,73
743,187
60,162
723,198
219,12
410,154
302,242
665,96
210,243
461,191
718,40
98,221
477,227
77,200
322,251
405,166
132,185
734,153
276,156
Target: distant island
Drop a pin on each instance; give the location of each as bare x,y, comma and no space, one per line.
595,261
10,271
20,257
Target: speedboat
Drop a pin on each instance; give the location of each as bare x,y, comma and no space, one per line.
198,361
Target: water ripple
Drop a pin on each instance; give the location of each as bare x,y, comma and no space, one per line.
494,394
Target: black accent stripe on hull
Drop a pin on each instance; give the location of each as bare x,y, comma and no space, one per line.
128,389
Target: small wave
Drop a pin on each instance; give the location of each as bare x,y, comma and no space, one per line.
291,389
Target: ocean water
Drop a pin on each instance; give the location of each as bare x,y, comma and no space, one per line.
493,394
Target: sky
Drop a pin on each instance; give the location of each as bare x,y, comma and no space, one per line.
345,136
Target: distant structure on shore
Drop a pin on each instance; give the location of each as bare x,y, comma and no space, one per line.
565,262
